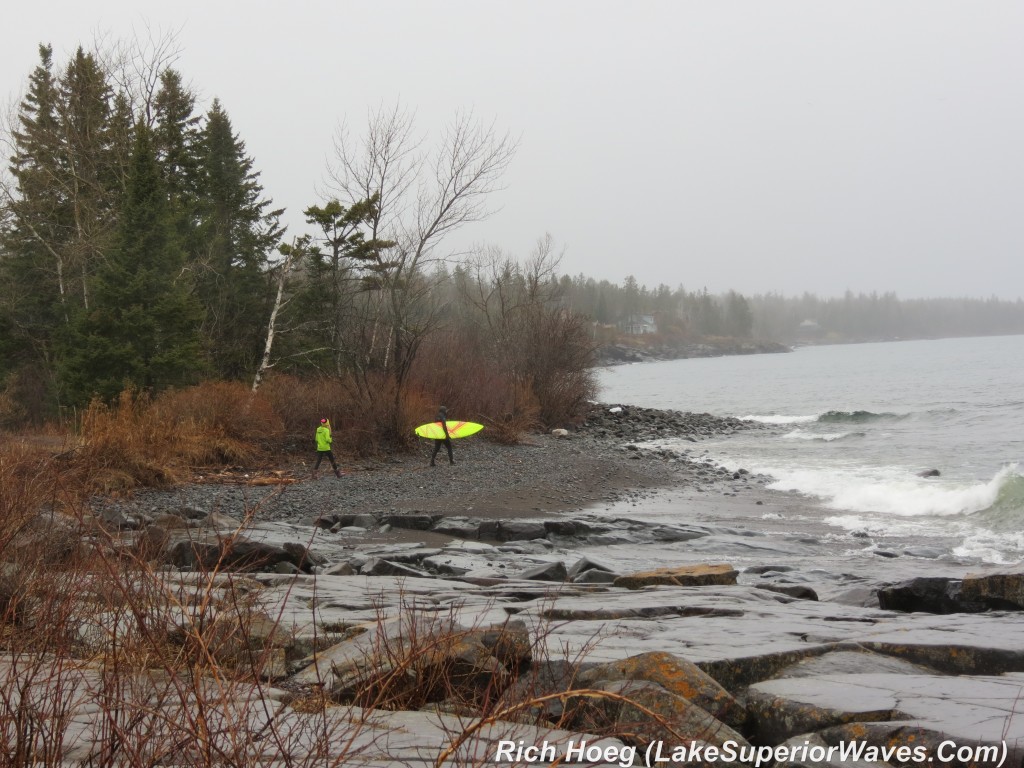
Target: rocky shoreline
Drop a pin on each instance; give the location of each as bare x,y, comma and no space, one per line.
643,351
694,605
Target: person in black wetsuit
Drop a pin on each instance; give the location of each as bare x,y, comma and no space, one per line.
446,441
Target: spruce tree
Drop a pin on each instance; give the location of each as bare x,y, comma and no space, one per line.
143,326
237,230
33,253
39,216
176,137
89,167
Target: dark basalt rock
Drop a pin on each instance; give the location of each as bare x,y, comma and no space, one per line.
928,594
545,572
797,591
237,555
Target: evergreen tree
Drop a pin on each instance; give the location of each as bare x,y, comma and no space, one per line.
176,137
34,260
68,183
342,265
122,137
89,174
143,326
236,233
738,320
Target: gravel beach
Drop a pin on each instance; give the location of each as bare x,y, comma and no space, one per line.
546,474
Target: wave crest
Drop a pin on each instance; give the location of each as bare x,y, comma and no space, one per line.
1000,500
776,418
854,417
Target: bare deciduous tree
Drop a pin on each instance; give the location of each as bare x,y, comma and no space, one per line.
423,197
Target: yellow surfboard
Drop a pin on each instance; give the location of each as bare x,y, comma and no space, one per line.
433,430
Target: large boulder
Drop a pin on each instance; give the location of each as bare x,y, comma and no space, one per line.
509,642
406,663
779,710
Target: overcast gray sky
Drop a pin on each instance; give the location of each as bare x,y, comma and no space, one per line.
761,146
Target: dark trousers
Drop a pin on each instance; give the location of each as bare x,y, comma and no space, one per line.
320,457
447,443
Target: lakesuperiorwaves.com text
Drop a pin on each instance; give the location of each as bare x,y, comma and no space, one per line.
659,752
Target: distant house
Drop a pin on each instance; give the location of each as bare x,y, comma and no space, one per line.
637,325
808,330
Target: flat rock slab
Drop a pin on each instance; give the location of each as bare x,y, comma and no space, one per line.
738,634
967,709
741,635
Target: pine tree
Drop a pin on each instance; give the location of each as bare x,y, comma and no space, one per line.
344,263
143,326
236,233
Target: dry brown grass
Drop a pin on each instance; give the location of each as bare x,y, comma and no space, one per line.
140,442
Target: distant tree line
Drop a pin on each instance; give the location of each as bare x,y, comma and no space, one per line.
775,317
873,316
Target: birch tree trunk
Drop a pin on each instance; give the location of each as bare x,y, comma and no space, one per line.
291,257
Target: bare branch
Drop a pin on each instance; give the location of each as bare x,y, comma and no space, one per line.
135,66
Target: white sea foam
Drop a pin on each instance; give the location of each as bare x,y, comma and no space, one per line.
779,419
999,548
828,437
892,491
902,527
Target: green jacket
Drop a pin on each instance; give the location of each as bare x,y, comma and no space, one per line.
323,437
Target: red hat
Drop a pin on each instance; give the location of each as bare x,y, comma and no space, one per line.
323,421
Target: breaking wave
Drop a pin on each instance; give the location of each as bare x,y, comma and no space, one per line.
1000,500
854,417
828,417
779,419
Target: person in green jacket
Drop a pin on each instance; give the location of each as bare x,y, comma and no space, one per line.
323,448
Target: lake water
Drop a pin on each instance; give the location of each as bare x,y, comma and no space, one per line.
853,425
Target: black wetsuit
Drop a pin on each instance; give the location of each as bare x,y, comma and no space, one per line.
442,417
